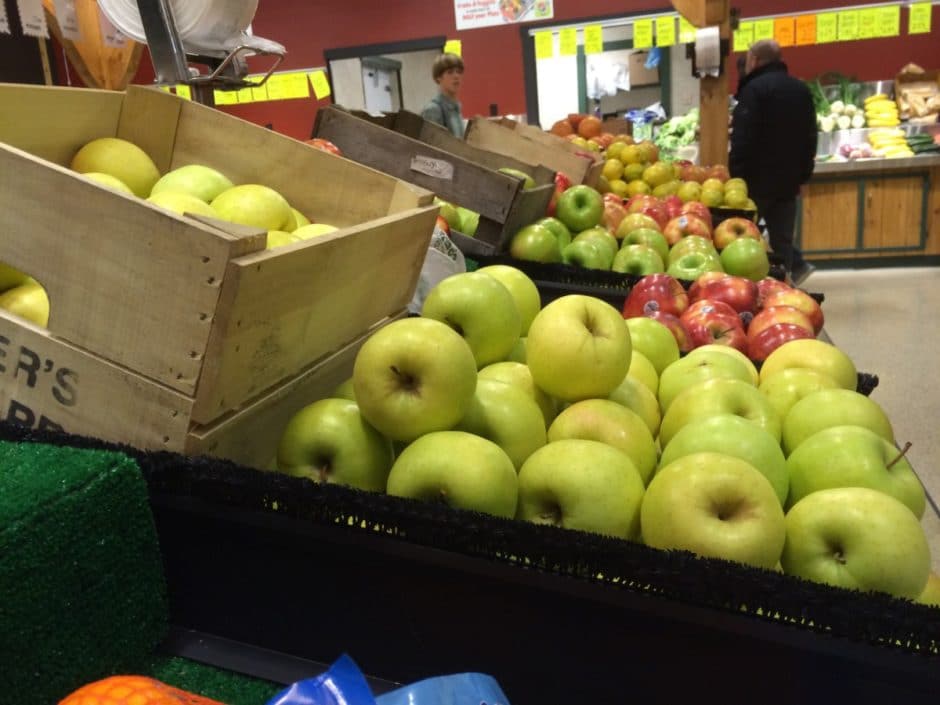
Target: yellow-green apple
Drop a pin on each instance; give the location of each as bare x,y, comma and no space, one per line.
686,225
719,396
481,310
527,181
121,159
737,437
414,376
736,184
535,243
737,354
816,355
344,390
517,354
307,232
578,348
637,397
800,300
643,370
674,325
459,469
714,505
579,208
300,219
727,231
857,538
739,293
692,172
692,265
27,300
112,182
523,290
853,456
647,236
600,236
638,260
699,210
589,254
761,345
469,221
711,197
832,407
556,226
689,191
256,206
182,203
656,292
203,182
654,340
713,184
786,387
518,375
658,174
279,238
636,221
611,423
449,213
767,317
931,593
747,258
692,243
507,416
710,322
735,198
11,276
329,441
646,204
584,485
690,370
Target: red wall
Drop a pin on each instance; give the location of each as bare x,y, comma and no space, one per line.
493,55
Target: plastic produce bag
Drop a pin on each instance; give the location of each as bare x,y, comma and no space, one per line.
442,260
342,684
457,689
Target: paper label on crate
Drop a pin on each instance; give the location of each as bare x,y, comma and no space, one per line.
437,168
827,27
32,18
67,18
665,31
4,20
568,42
110,35
918,20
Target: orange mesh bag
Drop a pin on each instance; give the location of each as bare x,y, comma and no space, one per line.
133,690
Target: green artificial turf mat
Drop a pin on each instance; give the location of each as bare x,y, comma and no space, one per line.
216,683
82,593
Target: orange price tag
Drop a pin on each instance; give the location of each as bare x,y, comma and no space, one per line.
785,31
805,30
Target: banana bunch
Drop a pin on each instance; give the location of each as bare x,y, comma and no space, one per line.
890,143
881,111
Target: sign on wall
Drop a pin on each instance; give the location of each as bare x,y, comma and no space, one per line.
472,14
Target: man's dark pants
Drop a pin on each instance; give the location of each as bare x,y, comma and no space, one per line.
780,216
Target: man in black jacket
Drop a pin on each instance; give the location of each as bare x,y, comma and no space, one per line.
773,146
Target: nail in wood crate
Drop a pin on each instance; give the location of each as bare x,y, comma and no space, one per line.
410,148
532,144
198,307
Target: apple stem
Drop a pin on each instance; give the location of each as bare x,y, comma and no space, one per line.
907,447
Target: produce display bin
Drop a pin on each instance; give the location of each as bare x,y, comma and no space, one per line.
166,330
428,156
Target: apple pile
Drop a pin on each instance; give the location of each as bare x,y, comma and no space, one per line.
572,416
587,131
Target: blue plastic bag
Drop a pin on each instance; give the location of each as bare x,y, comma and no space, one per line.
457,689
342,684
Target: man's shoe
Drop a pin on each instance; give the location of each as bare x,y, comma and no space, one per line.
801,273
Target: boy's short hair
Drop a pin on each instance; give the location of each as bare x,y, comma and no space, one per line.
445,62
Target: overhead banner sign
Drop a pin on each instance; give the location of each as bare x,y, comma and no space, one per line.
472,14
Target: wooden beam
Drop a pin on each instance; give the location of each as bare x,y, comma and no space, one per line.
702,13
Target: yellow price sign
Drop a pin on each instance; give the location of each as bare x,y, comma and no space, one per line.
889,21
867,23
244,96
805,30
763,29
568,42
848,26
544,45
320,83
643,34
453,46
686,31
785,31
827,27
183,92
665,31
744,36
259,94
287,86
918,19
225,97
593,39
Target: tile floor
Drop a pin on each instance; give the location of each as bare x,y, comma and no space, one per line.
888,321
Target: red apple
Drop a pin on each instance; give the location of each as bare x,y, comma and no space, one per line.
708,322
718,171
324,145
691,172
443,225
614,213
675,327
656,292
767,286
800,300
612,197
699,210
760,346
768,317
651,206
727,231
686,225
738,292
673,205
562,183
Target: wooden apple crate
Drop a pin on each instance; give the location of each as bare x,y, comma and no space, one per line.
531,144
419,152
187,321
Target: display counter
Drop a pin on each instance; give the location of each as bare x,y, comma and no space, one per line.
872,211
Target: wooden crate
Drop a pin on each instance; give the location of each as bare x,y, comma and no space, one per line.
436,160
530,144
199,305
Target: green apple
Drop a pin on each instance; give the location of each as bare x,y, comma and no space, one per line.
469,221
121,159
507,416
300,220
11,277
832,407
527,181
692,265
200,181
29,300
857,538
814,354
584,485
692,369
523,290
734,352
853,456
517,354
600,235
256,206
746,257
931,593
735,436
279,238
688,244
579,208
535,243
459,469
183,203
112,182
647,236
578,348
787,386
306,232
654,340
588,254
638,260
344,390
449,213
717,506
481,310
517,374
414,376
329,441
556,226
642,369
611,423
719,396
637,397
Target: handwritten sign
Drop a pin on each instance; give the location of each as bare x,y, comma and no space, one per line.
320,83
32,18
744,36
568,42
593,39
436,168
867,23
183,92
763,29
665,31
848,26
785,31
67,18
244,96
888,21
643,34
287,86
453,46
805,30
827,27
4,20
918,19
110,34
544,45
225,97
686,31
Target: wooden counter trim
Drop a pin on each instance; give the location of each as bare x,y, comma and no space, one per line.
867,166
